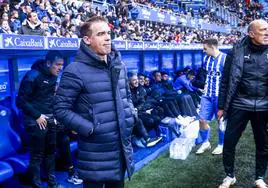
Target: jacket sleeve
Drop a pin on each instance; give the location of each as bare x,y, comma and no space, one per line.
68,91
26,90
225,80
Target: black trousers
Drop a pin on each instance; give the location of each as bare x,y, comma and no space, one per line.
150,121
236,124
139,129
107,184
63,145
42,145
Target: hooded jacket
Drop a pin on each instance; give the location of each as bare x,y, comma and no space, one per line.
36,92
94,99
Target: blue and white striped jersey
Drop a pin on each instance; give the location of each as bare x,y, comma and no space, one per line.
214,69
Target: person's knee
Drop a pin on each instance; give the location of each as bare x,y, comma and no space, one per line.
203,123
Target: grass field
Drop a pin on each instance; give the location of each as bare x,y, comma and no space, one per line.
198,171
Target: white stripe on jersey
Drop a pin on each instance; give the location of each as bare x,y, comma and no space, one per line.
214,72
211,78
206,60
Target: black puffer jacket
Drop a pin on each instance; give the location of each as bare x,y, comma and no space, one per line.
94,99
139,99
245,78
36,92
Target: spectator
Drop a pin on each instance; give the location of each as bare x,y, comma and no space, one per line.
32,26
4,27
15,24
24,12
4,16
145,113
184,82
41,11
29,3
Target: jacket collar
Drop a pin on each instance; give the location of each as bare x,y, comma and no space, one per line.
87,55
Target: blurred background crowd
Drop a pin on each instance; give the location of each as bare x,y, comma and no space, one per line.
62,18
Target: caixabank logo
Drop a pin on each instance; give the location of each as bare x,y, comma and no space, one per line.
63,43
3,87
22,42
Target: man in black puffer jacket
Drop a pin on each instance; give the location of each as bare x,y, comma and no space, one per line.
94,100
35,98
243,97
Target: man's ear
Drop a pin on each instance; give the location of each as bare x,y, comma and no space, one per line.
251,34
86,40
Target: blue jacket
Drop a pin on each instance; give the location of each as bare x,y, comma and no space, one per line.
182,83
94,99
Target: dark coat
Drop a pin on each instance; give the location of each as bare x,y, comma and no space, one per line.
36,92
27,30
94,100
248,80
139,99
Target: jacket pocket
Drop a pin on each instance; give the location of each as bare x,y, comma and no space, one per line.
92,114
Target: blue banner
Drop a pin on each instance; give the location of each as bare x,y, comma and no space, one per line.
164,46
134,45
55,43
120,45
150,46
157,16
23,42
144,14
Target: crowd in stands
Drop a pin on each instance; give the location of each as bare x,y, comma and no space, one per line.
246,10
51,18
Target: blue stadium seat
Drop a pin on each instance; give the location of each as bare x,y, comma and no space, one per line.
19,162
10,143
6,171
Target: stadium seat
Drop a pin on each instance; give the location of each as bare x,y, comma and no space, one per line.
19,162
10,143
6,171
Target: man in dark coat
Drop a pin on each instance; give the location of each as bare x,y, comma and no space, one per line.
243,97
94,100
31,26
35,98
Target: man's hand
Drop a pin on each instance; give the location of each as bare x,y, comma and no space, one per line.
220,114
149,111
42,122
